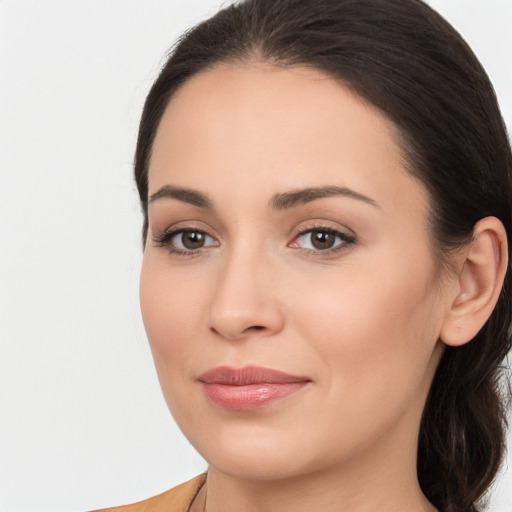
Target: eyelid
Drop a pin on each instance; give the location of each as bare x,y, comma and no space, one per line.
347,236
162,239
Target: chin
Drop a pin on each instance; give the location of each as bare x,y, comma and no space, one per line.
257,464
259,453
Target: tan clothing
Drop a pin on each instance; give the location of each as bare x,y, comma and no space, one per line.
177,499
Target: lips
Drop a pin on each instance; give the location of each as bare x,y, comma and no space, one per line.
248,388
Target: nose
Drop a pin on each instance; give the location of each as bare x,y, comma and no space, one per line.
245,301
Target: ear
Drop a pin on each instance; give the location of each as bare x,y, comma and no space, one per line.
481,273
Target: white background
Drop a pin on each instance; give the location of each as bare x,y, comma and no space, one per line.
82,420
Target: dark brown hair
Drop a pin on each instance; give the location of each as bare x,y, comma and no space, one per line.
405,59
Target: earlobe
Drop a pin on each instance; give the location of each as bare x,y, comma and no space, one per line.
479,283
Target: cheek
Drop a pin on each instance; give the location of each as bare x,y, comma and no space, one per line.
374,350
171,305
373,330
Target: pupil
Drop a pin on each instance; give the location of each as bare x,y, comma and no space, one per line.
192,239
322,239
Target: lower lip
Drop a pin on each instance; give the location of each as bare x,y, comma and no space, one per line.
251,396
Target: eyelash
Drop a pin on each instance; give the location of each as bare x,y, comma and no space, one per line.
347,240
164,240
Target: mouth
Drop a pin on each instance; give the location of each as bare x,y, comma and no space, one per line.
248,388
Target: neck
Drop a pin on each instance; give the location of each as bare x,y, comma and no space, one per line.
382,477
384,487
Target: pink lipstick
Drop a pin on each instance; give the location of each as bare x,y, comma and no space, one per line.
248,388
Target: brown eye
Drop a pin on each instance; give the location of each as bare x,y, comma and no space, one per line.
192,239
185,241
322,239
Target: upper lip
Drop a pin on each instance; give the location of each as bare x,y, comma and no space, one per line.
247,375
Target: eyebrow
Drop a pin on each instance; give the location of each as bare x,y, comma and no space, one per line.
296,198
182,194
284,201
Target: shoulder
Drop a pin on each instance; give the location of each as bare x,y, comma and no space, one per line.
177,499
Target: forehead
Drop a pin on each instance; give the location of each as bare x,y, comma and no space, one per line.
270,129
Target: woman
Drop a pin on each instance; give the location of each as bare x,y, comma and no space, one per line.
327,190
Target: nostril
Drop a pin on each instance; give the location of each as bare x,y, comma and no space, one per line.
253,328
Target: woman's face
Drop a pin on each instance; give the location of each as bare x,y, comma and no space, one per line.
285,234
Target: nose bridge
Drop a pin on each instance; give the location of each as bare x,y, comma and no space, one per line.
244,301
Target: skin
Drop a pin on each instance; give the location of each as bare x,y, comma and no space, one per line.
362,323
